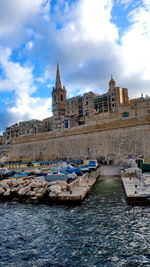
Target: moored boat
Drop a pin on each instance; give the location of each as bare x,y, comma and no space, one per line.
4,173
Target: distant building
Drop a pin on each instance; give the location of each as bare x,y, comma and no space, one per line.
22,128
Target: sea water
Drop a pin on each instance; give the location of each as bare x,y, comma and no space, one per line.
102,231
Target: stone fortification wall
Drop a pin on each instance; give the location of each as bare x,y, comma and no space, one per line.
112,140
4,149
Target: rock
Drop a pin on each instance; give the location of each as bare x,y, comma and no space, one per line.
44,183
63,185
35,189
64,188
49,188
27,181
7,193
2,190
55,189
31,193
38,195
41,190
35,184
4,185
33,200
23,191
9,183
35,171
51,194
14,183
15,189
52,183
4,181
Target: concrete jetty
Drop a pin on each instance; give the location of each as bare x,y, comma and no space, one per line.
78,189
37,190
137,189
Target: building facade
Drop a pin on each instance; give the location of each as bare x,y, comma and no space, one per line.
23,128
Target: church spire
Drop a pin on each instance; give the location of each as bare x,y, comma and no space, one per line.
58,79
112,83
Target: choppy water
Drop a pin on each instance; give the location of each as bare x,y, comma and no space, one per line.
103,231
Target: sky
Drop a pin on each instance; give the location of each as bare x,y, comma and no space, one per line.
91,39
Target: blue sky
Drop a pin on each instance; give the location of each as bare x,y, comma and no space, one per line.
91,39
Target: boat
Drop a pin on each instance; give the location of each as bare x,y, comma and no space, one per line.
51,177
24,174
69,169
4,173
84,168
92,164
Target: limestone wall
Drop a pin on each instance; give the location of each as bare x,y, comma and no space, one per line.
112,140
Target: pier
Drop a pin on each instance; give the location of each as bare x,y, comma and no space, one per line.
38,190
78,189
137,188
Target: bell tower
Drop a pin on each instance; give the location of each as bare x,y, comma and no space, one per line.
58,97
112,83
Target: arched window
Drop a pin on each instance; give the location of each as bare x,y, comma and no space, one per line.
61,97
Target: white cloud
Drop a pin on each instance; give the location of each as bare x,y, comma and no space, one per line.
136,43
16,15
20,80
94,19
27,107
17,78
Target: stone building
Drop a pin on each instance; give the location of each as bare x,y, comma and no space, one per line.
22,128
85,109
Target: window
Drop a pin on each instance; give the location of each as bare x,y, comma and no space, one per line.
66,123
61,97
125,114
54,98
79,100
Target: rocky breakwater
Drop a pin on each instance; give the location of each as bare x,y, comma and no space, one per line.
38,190
31,190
